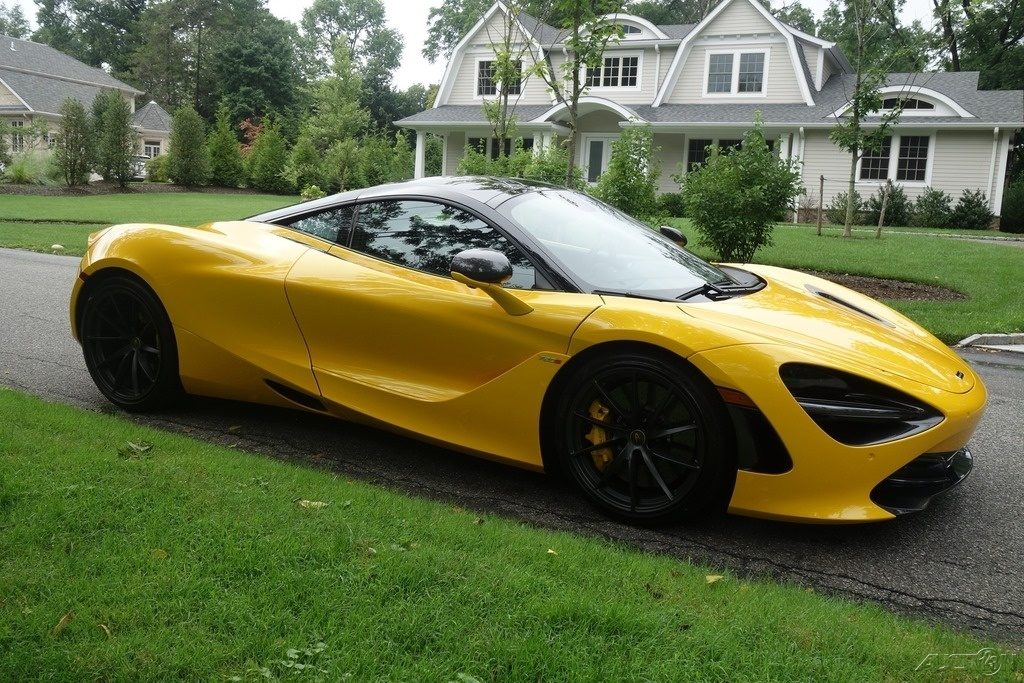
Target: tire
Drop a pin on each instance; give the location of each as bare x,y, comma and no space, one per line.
645,437
129,345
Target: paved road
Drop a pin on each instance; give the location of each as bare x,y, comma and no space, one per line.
960,562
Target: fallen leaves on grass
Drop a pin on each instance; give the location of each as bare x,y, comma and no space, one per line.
312,504
135,450
712,579
62,624
106,630
551,551
159,553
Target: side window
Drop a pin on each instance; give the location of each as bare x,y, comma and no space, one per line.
333,225
426,236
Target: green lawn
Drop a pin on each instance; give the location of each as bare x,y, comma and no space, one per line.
991,275
190,561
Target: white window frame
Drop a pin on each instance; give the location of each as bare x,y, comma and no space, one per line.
497,84
606,154
18,142
639,54
734,86
715,140
894,161
147,146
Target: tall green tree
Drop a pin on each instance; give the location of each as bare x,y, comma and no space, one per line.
886,41
224,152
188,163
336,112
117,141
97,32
100,104
586,35
266,162
797,16
13,22
985,36
850,131
74,149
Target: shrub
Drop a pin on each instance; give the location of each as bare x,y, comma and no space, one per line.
1012,218
156,169
631,182
897,211
305,167
733,198
224,152
100,104
933,209
26,168
344,166
117,141
311,192
672,204
551,164
835,212
548,165
972,212
73,152
265,164
5,150
188,163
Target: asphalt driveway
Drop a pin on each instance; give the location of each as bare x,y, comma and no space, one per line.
960,562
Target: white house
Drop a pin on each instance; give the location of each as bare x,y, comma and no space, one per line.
695,84
35,80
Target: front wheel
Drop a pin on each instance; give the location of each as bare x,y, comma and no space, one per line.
646,438
128,344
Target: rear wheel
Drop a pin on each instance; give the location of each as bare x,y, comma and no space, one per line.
128,343
645,438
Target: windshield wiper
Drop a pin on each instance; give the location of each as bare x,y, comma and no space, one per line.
631,295
707,289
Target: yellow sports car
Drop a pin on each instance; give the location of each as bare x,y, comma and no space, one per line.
540,327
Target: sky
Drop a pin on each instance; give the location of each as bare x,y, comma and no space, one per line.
409,17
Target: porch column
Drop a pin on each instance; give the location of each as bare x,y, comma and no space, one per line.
784,150
421,154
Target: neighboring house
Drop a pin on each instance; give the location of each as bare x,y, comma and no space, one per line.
35,80
704,83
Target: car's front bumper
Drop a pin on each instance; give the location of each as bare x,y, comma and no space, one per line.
912,487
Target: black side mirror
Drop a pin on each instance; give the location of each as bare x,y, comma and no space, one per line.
674,235
482,265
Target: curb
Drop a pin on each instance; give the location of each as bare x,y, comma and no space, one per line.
1013,343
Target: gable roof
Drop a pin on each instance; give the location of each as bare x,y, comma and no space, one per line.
42,60
152,117
795,53
45,95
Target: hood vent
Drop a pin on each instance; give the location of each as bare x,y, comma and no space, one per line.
846,304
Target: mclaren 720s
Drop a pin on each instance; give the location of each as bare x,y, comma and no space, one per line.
537,326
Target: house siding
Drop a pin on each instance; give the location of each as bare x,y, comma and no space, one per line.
962,161
7,97
781,84
737,19
455,149
648,89
464,87
811,53
672,154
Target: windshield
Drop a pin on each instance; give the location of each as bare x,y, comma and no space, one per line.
606,250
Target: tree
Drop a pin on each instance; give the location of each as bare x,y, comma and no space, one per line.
797,16
585,34
510,49
224,152
631,182
449,23
672,11
97,32
117,143
983,36
735,198
188,162
305,165
5,150
265,164
12,21
873,28
336,112
100,104
850,132
73,152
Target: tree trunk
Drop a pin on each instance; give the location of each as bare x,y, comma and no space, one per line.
885,205
948,34
821,202
850,201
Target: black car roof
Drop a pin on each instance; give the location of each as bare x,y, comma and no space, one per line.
485,190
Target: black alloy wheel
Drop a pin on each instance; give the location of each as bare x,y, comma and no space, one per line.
646,438
128,343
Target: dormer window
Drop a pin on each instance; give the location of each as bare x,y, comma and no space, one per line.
615,71
628,30
487,84
736,72
908,103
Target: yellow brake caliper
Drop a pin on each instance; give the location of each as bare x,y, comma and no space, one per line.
597,435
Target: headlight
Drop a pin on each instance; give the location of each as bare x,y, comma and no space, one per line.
853,410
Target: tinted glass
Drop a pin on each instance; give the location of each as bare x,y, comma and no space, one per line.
913,162
426,236
596,160
874,165
606,249
333,225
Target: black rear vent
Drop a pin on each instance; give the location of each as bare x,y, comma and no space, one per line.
846,304
296,396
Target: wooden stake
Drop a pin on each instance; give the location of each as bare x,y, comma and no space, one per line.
886,191
821,201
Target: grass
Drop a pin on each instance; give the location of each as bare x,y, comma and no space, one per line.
195,562
37,223
989,274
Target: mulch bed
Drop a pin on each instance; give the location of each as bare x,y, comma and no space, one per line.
104,188
882,288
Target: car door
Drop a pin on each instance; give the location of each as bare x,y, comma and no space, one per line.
383,318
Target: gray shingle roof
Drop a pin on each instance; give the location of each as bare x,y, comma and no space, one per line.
152,117
44,60
543,33
472,113
47,94
676,31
